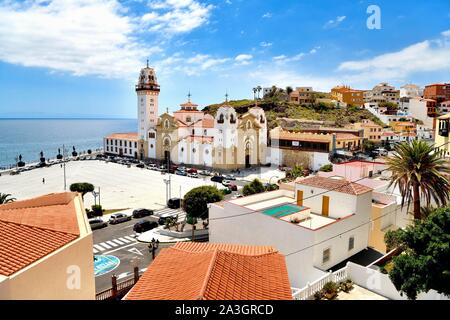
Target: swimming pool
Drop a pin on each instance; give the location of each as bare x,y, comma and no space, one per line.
282,210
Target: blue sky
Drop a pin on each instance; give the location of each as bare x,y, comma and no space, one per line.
81,58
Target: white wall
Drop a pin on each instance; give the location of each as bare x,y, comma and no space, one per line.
380,283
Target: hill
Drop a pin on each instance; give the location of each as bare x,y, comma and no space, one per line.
283,109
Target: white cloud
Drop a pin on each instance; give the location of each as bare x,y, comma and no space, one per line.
267,15
243,57
80,37
446,33
176,16
281,59
426,56
265,44
191,66
333,23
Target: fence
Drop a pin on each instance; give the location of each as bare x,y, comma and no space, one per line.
307,292
118,290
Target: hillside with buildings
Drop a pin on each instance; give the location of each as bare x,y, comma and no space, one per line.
276,109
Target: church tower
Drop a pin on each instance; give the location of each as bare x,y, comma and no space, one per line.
147,90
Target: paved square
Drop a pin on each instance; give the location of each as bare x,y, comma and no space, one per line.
121,187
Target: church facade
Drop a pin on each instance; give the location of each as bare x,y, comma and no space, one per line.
192,137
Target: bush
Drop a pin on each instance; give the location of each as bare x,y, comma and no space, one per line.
272,187
295,172
97,210
253,187
393,239
226,191
326,168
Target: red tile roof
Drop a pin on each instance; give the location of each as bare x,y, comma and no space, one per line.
214,272
338,185
34,228
123,136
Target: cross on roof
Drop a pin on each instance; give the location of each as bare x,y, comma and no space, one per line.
189,96
226,97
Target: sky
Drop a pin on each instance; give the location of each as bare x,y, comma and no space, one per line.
68,58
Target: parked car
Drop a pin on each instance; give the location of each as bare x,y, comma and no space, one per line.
140,165
151,166
144,225
204,172
141,212
162,220
97,223
217,179
180,172
118,218
226,183
192,170
232,186
193,175
230,177
174,203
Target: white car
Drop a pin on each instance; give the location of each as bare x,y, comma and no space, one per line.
226,183
192,175
118,218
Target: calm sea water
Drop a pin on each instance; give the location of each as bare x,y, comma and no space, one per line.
29,137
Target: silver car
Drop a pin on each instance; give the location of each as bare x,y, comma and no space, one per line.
118,218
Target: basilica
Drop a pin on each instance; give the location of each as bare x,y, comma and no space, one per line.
189,136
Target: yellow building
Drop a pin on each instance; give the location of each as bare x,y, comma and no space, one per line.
348,95
372,131
46,249
403,127
441,135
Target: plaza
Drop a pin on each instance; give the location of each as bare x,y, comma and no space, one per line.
121,187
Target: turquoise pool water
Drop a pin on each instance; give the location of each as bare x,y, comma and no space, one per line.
282,210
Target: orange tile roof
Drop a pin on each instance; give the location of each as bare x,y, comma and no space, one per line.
233,248
214,272
123,136
344,135
338,185
34,228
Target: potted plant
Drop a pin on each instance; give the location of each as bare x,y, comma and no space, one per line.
330,290
318,295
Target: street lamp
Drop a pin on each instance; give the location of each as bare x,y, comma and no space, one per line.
96,194
153,246
271,178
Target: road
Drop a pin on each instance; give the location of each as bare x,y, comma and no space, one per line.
118,241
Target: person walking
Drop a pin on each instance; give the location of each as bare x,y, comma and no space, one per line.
43,180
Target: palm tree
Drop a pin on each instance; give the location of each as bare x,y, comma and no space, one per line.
419,171
5,198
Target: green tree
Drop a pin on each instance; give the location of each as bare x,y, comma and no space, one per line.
6,198
369,146
82,187
195,201
97,210
425,263
253,187
418,171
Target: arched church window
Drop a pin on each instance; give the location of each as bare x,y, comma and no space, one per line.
188,119
261,119
166,124
249,125
232,119
193,132
221,118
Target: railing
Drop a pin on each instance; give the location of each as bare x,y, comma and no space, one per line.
118,290
307,292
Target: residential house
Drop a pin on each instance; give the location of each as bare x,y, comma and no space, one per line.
410,91
424,110
302,96
441,139
444,107
348,95
322,223
46,249
214,271
382,92
372,131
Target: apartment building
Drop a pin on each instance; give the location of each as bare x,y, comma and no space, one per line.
424,110
439,92
372,131
302,96
382,92
410,91
311,147
441,135
46,249
122,144
348,95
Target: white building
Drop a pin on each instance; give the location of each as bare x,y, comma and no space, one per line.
382,113
322,223
382,92
423,110
410,91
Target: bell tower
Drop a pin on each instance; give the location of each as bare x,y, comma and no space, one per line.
147,91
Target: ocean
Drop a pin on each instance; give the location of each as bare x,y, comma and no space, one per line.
29,137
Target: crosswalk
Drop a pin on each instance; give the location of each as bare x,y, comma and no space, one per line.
181,214
111,244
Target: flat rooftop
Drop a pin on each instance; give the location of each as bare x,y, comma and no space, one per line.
283,207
